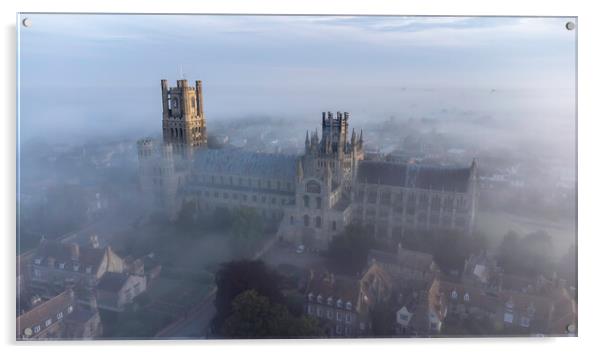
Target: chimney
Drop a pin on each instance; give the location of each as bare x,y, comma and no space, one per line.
74,251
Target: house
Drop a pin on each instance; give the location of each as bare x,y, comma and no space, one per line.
56,266
422,310
335,302
59,318
116,290
405,264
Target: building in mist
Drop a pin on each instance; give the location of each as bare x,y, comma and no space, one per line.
60,317
314,195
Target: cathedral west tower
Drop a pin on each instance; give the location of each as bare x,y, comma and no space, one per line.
183,115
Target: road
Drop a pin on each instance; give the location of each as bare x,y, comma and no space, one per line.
196,323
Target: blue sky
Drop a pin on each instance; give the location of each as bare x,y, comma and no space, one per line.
100,73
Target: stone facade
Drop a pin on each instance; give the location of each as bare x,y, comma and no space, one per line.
183,114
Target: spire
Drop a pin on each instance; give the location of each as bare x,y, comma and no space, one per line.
361,136
307,139
299,170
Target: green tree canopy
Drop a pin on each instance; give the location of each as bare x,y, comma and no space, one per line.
236,277
349,249
254,316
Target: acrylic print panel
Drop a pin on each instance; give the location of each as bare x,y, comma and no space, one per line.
217,177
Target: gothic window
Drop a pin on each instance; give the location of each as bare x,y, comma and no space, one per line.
312,187
318,222
423,203
448,204
359,196
436,203
385,198
372,196
306,201
334,226
318,203
306,220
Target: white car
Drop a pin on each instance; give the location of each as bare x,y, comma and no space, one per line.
300,249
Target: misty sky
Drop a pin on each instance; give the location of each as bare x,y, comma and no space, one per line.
83,75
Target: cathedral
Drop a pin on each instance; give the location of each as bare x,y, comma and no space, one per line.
313,196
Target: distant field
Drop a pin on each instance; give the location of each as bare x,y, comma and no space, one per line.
496,225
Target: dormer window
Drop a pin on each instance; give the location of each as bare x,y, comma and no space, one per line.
525,321
38,261
70,309
348,305
329,301
48,322
310,296
59,315
339,303
37,329
466,297
454,294
319,299
531,310
75,267
61,265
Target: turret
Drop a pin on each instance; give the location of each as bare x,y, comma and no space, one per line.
307,145
299,170
199,97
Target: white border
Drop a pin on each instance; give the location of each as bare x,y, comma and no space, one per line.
589,169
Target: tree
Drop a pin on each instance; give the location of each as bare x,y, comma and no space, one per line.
529,255
246,230
382,317
349,249
254,316
236,277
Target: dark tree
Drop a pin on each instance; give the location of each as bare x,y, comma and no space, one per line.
349,249
530,255
235,277
254,316
383,319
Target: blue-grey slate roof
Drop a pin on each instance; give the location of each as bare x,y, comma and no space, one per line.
245,163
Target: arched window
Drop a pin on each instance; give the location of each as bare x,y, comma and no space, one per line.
318,203
306,201
306,220
466,297
318,221
313,187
